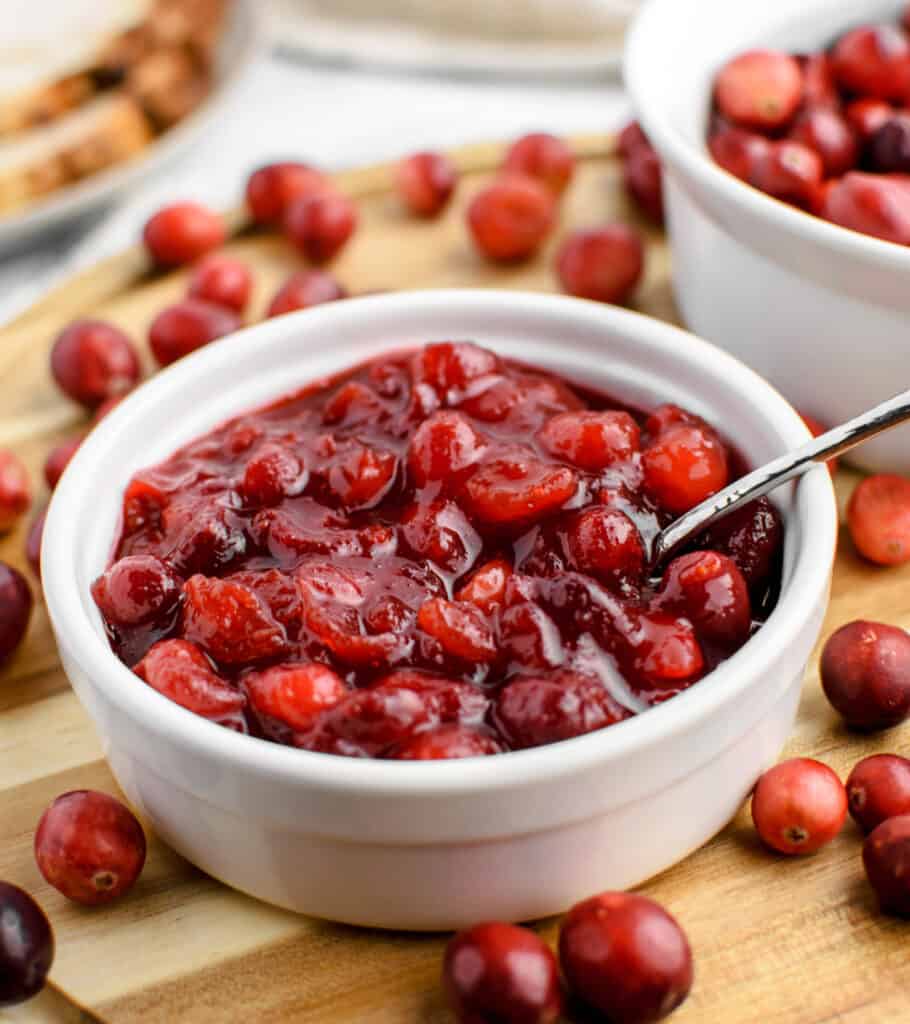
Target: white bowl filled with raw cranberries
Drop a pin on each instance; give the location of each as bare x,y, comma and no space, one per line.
784,132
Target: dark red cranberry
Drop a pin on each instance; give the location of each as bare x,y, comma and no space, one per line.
888,150
223,281
58,459
865,672
828,134
93,361
182,232
878,788
752,537
270,190
186,326
500,972
320,225
684,466
304,289
137,589
90,847
179,670
624,956
738,151
15,609
544,157
15,490
709,590
791,172
874,204
33,542
511,217
26,946
886,853
425,182
631,138
761,89
642,173
230,621
441,532
873,61
865,117
879,519
296,694
444,447
451,367
605,264
447,743
273,473
819,87
799,806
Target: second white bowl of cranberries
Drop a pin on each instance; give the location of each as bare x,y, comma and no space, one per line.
784,134
340,543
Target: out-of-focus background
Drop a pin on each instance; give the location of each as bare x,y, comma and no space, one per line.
109,108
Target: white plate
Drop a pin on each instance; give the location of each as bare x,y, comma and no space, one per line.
242,39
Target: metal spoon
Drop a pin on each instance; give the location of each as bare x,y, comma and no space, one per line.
841,439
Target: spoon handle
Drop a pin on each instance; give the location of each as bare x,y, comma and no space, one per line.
778,471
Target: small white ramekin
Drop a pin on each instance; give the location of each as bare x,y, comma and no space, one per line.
821,311
438,845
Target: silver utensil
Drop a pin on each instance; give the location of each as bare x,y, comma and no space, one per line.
778,471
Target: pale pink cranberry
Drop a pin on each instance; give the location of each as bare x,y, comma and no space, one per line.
182,232
15,490
93,361
799,806
426,182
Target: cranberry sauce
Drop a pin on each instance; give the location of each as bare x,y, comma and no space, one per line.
434,554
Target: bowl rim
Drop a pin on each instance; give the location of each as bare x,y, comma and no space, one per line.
89,649
696,162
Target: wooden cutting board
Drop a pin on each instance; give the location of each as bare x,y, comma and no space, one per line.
792,941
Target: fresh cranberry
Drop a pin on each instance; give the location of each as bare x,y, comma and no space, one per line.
186,326
624,956
683,467
752,536
295,695
605,543
503,973
461,629
865,117
58,459
425,182
761,89
320,225
270,190
544,157
444,449
878,788
879,519
873,61
873,204
182,232
230,621
451,741
15,490
181,672
487,586
304,289
273,473
451,367
642,173
93,361
789,171
137,589
799,806
518,488
828,134
90,847
886,853
510,218
819,86
26,946
33,542
15,609
528,637
738,151
816,429
709,590
865,673
888,150
604,264
223,281
441,532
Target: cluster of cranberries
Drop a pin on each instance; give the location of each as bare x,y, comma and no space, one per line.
828,132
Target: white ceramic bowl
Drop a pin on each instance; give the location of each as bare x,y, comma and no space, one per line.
819,310
436,845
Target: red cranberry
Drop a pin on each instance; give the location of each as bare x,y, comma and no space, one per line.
760,89
873,61
15,609
33,542
626,957
186,326
683,467
799,806
223,281
182,232
665,656
487,586
320,225
518,488
270,190
137,589
878,788
591,440
604,264
425,182
441,532
295,695
739,152
873,204
230,621
865,672
444,447
450,367
461,629
865,117
510,218
631,138
93,361
59,458
304,289
879,519
789,171
642,173
90,847
451,741
273,473
15,490
179,670
888,150
26,946
503,973
819,87
886,853
605,543
752,536
709,590
543,157
828,134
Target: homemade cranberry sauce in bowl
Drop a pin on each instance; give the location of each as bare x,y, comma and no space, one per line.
339,543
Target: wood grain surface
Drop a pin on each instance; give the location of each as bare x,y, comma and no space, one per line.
792,941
